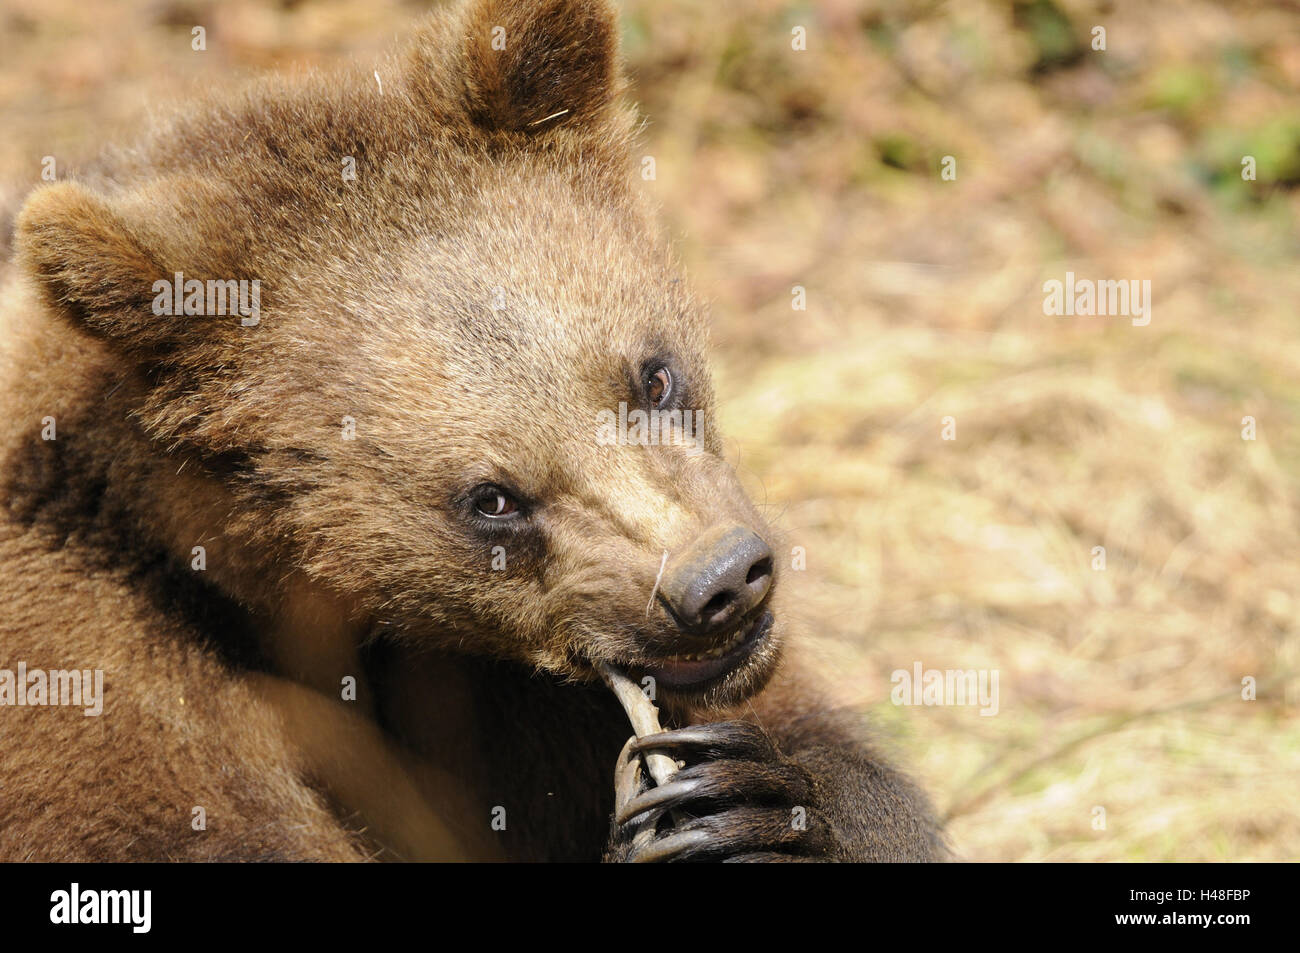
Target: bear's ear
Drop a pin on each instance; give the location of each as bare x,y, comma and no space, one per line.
531,65
90,264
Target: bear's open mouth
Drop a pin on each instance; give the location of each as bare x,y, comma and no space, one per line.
692,669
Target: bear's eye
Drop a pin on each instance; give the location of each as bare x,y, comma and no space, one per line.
495,503
659,386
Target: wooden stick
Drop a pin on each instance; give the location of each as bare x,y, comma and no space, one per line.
644,717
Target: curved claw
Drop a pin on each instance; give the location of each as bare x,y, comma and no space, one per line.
748,832
733,739
670,846
629,779
725,782
662,796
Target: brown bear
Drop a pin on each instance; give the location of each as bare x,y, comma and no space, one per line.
326,445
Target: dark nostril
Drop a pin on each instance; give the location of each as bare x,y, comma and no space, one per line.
757,571
717,604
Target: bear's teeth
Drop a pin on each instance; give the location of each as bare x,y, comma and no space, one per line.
716,652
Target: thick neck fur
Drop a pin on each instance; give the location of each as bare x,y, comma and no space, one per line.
77,491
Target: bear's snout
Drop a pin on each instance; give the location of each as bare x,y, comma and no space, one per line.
716,580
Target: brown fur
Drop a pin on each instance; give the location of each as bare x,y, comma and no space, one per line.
477,170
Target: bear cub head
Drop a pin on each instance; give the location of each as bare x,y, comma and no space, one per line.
413,336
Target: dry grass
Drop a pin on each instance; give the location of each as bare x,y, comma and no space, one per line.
1119,688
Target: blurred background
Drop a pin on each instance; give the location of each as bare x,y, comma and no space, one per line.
1120,687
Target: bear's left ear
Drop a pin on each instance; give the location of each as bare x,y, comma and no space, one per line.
93,266
532,65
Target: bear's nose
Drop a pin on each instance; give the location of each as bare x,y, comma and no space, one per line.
718,578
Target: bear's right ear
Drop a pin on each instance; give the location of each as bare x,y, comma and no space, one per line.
533,65
91,265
